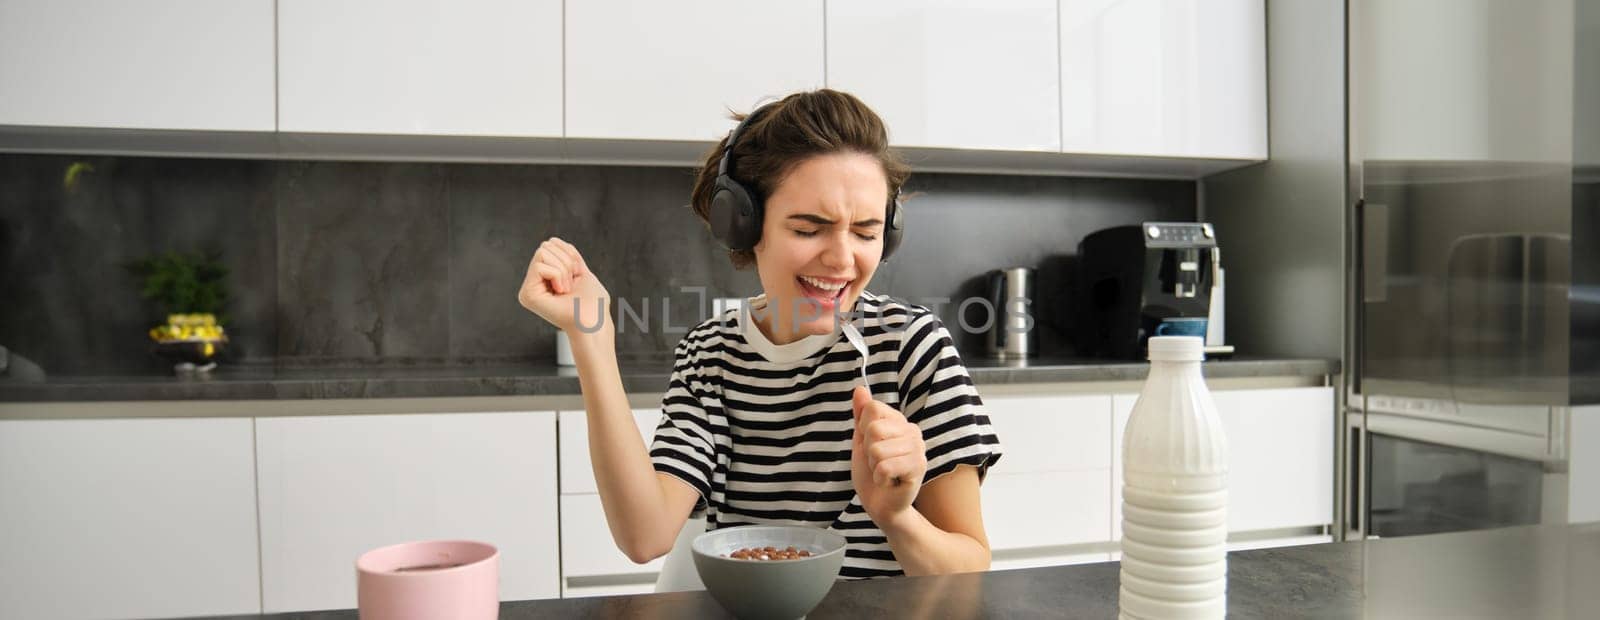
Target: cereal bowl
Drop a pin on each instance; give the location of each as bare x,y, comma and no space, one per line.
770,589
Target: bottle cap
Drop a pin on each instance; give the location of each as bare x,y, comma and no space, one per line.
1177,349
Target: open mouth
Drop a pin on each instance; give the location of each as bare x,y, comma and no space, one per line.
825,291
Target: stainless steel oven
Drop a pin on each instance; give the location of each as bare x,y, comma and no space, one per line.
1463,349
1461,383
1417,487
1416,474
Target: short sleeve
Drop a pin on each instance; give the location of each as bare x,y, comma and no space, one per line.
684,443
938,396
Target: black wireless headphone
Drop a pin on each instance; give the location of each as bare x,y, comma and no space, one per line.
737,212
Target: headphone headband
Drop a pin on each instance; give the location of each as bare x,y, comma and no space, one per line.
725,167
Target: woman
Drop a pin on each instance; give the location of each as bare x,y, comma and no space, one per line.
766,420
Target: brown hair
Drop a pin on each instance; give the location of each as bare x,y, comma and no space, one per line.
789,131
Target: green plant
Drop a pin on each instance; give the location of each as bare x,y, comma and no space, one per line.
184,283
75,171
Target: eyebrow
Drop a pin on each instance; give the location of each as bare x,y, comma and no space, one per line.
822,221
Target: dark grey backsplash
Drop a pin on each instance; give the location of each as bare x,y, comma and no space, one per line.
341,263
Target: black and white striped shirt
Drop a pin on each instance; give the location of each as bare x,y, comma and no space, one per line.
763,431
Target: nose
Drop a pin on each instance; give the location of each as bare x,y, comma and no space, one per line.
837,255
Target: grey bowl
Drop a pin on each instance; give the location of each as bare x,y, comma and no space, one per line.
768,590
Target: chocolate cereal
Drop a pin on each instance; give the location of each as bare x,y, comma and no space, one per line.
768,553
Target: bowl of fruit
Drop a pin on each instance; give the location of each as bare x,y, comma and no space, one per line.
191,341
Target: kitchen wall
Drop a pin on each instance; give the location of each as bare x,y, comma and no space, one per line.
1281,223
351,263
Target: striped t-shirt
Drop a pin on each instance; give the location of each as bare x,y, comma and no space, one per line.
763,431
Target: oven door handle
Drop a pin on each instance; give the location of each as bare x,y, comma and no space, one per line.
1493,441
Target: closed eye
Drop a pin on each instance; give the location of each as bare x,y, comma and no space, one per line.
813,233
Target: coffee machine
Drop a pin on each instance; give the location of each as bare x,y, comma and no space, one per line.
1154,279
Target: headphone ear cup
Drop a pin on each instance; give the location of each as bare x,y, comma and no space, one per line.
894,229
735,218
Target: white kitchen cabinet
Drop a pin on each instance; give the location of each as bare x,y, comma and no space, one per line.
333,487
1050,509
1174,78
591,563
577,472
1051,433
965,74
671,70
1283,466
1052,487
467,67
590,557
174,64
1000,560
1280,457
127,518
1157,88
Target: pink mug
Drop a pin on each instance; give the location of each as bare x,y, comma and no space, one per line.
428,580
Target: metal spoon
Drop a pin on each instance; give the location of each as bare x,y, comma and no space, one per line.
860,345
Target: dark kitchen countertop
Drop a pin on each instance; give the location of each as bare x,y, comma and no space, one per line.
1523,572
270,383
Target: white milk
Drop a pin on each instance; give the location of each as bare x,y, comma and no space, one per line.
1175,492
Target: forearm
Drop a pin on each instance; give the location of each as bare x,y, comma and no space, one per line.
924,549
630,491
